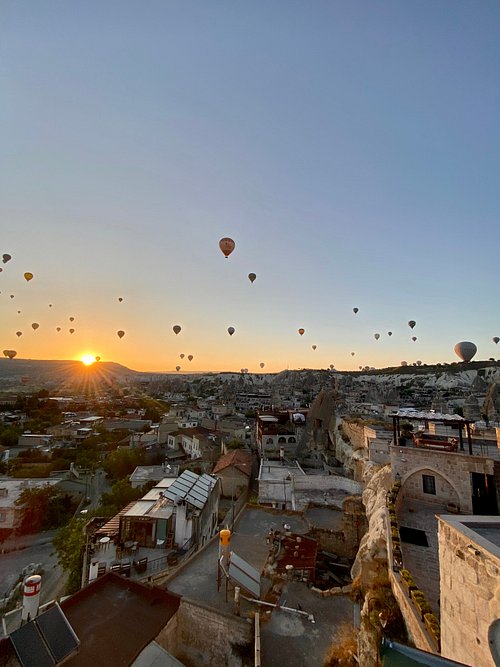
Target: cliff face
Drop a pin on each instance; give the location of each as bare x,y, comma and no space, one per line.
372,553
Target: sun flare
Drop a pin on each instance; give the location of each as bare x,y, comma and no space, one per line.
88,359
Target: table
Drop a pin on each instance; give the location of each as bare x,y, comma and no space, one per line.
104,541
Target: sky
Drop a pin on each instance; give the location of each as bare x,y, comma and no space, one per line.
350,148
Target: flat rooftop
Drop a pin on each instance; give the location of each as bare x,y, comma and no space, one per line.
484,531
287,638
116,618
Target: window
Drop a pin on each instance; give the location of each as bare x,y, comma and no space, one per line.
429,484
3,517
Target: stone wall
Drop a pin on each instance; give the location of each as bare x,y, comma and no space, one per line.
358,434
470,589
203,636
451,472
326,483
345,541
414,625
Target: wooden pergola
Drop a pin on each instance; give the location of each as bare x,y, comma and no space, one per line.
455,421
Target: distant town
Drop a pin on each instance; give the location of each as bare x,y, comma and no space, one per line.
308,517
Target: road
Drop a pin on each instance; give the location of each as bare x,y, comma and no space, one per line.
38,549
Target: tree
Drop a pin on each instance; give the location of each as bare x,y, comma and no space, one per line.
122,493
70,545
34,504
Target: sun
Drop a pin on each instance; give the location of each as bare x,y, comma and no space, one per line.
88,359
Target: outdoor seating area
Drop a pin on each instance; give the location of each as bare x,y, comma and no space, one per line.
426,442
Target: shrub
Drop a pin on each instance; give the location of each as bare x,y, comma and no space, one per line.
407,576
343,649
433,625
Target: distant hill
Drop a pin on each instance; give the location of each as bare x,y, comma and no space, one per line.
34,372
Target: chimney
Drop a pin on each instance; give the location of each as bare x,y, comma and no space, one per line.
31,597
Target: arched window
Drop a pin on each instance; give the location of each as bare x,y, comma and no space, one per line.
291,439
281,439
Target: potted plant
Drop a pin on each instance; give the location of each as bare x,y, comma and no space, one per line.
420,603
433,627
395,536
408,581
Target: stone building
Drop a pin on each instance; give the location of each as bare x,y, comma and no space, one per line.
469,563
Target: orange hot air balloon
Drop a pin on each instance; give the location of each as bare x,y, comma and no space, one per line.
227,246
98,358
28,276
177,368
182,355
71,319
19,333
72,331
230,330
262,364
252,277
190,357
10,353
120,333
35,326
58,328
176,329
302,332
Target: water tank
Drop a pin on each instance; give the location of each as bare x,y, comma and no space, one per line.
31,597
225,537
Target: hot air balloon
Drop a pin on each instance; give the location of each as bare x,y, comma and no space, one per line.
465,350
72,331
414,338
251,277
18,312
120,299
332,367
58,328
50,305
376,336
71,319
230,330
120,333
404,363
302,331
11,296
6,258
352,354
176,329
1,269
227,246
389,333
182,356
411,324
355,310
35,326
98,358
190,357
177,368
262,364
314,347
19,333
28,276
10,353
360,367
495,339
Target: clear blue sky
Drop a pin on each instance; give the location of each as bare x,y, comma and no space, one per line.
351,149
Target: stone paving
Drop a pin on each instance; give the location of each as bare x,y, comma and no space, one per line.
423,562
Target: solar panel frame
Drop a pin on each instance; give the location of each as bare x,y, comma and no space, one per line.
30,647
